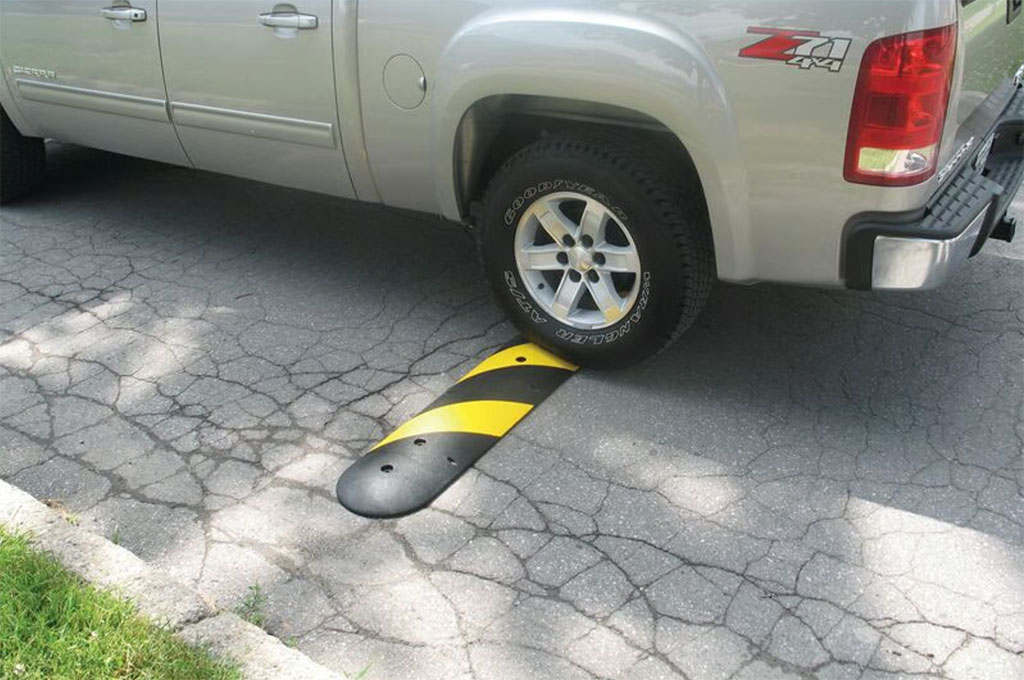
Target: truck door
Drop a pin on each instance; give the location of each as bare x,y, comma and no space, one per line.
88,71
251,89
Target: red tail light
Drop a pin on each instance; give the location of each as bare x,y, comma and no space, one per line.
899,108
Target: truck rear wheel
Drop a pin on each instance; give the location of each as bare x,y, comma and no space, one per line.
595,249
22,161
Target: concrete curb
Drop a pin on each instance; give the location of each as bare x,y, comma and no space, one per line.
158,596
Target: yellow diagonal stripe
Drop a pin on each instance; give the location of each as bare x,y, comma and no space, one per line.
489,417
526,354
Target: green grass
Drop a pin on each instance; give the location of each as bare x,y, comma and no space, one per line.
252,606
54,626
361,675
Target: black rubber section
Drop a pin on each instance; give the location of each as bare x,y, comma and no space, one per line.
403,476
525,384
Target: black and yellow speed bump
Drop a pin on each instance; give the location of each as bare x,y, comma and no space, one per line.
410,467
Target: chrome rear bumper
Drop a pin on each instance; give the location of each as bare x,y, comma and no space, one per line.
921,263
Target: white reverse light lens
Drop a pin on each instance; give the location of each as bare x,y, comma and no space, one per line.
897,162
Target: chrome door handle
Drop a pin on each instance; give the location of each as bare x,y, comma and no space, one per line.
288,20
124,13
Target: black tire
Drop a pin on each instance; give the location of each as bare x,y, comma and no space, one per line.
662,207
22,161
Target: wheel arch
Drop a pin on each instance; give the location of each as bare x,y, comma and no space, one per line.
515,68
495,127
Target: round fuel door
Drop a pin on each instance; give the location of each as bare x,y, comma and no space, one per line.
404,81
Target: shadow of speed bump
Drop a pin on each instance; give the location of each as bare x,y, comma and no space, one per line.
410,467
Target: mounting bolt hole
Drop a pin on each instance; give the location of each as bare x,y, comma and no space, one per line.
419,442
451,461
387,468
520,360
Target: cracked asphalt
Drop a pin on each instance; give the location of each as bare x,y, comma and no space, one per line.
811,483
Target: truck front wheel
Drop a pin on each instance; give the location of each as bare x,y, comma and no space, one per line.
595,249
22,160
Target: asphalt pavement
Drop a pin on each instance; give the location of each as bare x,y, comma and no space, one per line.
811,483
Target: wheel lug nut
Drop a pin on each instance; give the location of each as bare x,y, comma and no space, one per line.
562,258
587,241
599,258
574,276
567,241
592,275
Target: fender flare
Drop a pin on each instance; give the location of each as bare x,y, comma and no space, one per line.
609,58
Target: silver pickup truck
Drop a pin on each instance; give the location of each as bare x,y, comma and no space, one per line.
614,157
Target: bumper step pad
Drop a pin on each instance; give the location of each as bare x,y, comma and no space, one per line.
410,467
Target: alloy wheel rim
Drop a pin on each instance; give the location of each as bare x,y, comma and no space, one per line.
578,260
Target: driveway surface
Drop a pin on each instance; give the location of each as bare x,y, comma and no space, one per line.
810,484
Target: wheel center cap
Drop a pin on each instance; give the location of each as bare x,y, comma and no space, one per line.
580,259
